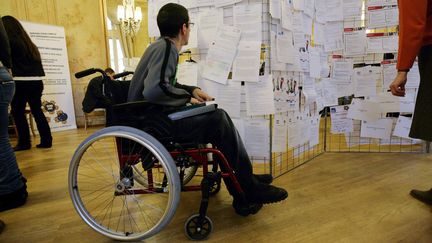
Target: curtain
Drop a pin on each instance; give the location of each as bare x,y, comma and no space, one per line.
126,43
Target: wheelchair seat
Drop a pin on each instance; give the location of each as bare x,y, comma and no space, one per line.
143,116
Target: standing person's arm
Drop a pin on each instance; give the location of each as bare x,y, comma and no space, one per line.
5,51
412,25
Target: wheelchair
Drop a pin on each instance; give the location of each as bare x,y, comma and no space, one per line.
125,180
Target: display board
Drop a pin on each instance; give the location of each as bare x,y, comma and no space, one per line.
280,67
57,99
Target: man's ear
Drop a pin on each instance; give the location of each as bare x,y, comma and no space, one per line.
184,29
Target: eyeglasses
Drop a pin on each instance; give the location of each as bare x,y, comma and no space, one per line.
191,25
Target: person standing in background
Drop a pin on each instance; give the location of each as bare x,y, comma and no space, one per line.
415,39
13,189
27,71
110,72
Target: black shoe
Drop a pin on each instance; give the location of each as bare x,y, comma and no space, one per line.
14,199
264,178
21,147
264,194
423,196
244,209
44,145
2,226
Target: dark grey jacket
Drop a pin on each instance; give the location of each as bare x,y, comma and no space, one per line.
154,78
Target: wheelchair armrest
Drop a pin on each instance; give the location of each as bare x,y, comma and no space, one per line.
192,110
133,104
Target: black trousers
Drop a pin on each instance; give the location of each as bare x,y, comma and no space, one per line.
218,129
29,92
422,120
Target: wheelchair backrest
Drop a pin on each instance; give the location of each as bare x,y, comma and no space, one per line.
112,95
102,92
94,95
117,91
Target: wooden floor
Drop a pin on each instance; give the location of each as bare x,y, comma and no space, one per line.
334,198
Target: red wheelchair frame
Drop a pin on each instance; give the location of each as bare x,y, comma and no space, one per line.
210,184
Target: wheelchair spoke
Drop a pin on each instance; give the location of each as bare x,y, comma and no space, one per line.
121,213
89,178
131,218
100,189
114,160
107,208
143,215
103,167
98,205
130,150
122,184
111,209
87,163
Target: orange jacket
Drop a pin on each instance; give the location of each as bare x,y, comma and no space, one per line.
415,30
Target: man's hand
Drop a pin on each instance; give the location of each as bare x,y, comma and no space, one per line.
201,96
194,101
397,87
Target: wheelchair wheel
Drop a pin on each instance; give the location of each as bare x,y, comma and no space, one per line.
196,229
116,192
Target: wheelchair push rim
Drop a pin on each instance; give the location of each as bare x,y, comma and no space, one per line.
118,206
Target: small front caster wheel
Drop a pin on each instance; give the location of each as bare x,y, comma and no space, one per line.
198,229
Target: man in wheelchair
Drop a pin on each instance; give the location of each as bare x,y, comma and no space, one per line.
154,81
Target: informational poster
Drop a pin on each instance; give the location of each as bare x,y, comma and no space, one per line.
286,92
257,137
364,110
221,54
152,11
57,99
340,123
354,41
280,132
259,97
333,36
378,129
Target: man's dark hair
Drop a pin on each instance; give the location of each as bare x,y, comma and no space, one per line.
171,18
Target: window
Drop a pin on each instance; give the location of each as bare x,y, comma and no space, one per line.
115,48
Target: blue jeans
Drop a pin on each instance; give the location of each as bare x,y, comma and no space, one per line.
10,175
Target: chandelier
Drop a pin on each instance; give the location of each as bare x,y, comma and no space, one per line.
129,17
